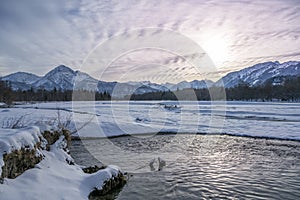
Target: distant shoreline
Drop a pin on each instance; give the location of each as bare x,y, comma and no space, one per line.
123,100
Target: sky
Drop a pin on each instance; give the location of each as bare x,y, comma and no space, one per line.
36,36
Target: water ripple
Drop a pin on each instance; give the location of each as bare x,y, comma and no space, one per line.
228,168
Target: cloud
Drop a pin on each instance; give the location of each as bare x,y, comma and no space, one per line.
35,36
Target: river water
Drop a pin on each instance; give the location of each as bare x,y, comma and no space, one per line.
209,167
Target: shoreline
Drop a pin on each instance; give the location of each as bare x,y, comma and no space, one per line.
124,100
174,133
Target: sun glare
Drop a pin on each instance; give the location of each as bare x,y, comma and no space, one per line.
217,50
215,45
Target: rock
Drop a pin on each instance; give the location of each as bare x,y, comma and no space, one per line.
51,138
18,161
109,187
92,169
67,135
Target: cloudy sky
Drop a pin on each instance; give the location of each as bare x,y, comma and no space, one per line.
36,36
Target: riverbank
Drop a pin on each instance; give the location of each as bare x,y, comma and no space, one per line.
36,164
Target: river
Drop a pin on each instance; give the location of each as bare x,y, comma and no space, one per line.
210,167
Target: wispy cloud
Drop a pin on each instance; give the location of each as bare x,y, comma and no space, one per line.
37,35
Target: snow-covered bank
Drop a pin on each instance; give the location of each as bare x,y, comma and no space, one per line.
3,105
27,139
56,176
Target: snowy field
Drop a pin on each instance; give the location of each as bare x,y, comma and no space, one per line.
105,118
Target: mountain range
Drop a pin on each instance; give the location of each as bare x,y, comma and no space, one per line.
64,78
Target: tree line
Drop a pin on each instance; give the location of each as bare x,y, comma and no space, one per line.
6,93
288,91
8,96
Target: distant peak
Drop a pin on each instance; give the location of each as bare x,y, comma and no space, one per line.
146,82
184,81
283,63
22,73
257,66
269,63
63,67
291,63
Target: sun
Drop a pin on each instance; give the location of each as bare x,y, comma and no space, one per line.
216,45
217,49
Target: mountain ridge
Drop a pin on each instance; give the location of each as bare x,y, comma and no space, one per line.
259,74
64,78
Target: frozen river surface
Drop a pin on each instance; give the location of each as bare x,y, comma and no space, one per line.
101,119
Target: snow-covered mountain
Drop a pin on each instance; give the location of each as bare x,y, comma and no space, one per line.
64,78
21,80
195,84
147,86
260,73
61,78
22,77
